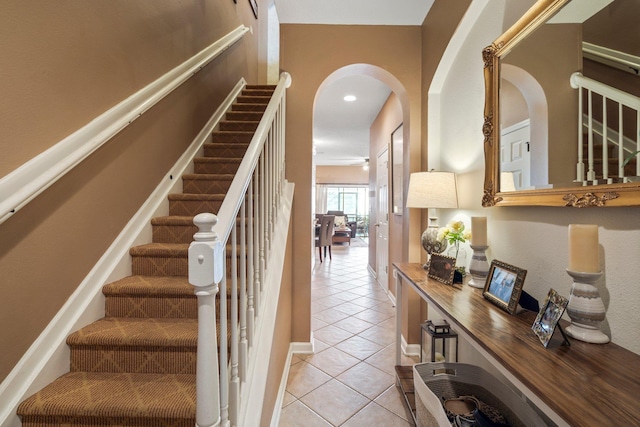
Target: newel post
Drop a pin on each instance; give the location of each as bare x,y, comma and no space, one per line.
206,266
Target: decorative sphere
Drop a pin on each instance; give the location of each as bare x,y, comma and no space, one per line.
430,241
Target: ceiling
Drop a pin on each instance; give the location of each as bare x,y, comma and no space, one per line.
340,128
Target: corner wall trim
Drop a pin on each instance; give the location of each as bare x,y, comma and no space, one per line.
32,178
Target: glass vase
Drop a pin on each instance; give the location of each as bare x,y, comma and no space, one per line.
460,255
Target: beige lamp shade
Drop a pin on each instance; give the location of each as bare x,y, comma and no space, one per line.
432,190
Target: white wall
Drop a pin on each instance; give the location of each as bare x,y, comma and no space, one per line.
533,238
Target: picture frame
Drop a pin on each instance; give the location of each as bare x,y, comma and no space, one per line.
254,7
503,286
549,317
397,188
442,268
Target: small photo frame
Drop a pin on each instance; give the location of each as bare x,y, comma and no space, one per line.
549,316
504,285
442,268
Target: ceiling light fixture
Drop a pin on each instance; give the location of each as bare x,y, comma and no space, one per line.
350,98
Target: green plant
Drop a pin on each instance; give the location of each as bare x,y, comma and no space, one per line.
629,157
455,234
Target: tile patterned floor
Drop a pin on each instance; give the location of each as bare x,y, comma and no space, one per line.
350,379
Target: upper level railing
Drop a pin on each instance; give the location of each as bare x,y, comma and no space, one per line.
29,180
610,134
230,255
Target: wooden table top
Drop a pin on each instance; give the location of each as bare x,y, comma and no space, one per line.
585,384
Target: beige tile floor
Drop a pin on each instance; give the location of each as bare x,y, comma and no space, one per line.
350,379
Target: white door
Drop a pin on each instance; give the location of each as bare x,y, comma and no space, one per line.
382,214
515,156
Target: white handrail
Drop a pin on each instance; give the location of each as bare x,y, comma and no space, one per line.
257,187
579,81
608,93
32,178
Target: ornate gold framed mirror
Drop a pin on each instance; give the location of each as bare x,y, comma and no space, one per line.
564,151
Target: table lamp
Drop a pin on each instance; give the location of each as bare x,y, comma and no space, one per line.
432,190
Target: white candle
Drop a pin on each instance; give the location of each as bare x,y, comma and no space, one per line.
583,248
479,230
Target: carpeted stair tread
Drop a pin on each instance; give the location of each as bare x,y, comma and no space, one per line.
164,259
178,220
191,196
249,107
246,116
218,145
216,164
160,259
135,332
173,229
194,203
221,149
232,137
172,220
209,176
151,296
150,286
238,125
252,98
206,183
270,88
178,250
108,396
167,249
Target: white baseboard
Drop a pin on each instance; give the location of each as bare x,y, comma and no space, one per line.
294,348
303,347
409,349
48,356
372,272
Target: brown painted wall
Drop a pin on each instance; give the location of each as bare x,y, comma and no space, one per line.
311,53
64,63
341,175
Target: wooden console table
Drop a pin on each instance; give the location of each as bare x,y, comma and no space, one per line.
579,385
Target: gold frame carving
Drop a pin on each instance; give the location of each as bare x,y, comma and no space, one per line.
627,194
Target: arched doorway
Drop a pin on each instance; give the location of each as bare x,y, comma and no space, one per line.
392,112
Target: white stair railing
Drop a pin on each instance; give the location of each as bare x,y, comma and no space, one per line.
249,211
608,134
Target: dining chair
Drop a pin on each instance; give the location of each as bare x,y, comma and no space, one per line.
324,237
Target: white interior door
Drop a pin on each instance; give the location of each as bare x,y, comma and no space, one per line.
382,226
515,155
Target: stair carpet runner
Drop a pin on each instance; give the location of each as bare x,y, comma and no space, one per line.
612,156
136,366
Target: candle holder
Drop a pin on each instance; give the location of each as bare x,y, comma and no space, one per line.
479,267
586,308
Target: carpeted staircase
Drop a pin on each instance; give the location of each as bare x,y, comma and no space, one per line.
136,366
612,158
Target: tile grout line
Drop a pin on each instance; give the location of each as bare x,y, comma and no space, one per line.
336,284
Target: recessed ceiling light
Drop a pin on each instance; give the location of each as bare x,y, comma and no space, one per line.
349,98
